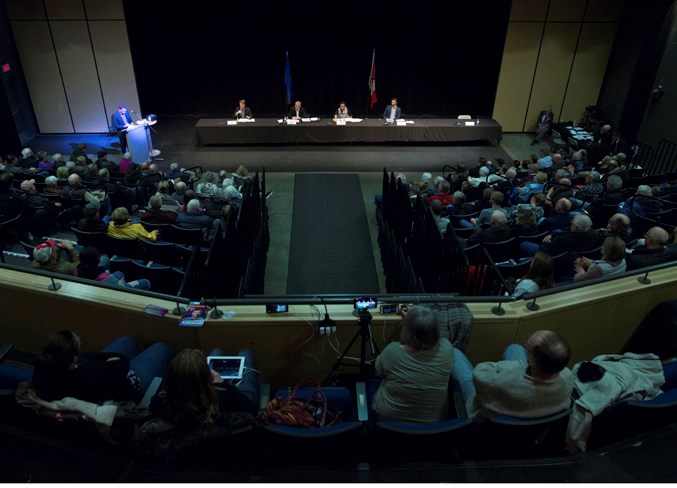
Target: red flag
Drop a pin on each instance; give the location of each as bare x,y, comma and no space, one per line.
372,81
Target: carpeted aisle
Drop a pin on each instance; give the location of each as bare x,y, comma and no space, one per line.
330,249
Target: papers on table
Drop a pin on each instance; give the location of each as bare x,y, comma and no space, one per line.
345,120
310,119
245,121
469,122
579,134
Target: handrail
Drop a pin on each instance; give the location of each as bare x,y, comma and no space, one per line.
604,279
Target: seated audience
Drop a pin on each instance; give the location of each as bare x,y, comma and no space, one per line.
120,372
560,219
46,257
91,269
611,264
484,217
193,218
193,394
442,222
641,204
120,226
618,225
91,219
207,185
498,230
415,372
531,381
51,186
580,237
155,214
653,251
168,203
524,224
541,276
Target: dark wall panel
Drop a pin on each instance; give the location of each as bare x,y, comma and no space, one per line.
202,61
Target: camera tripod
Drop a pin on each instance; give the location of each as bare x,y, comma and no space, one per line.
364,332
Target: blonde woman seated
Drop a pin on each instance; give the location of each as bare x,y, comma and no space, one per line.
611,264
120,226
541,276
415,372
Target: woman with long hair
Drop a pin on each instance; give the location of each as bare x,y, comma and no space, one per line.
194,395
540,276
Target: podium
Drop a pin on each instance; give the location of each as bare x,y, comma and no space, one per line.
139,143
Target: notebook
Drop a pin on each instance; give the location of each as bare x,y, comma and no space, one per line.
228,367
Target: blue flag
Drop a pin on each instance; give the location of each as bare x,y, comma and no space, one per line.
287,79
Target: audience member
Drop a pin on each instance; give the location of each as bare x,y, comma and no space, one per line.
618,225
543,123
415,372
653,251
641,204
297,112
155,214
119,372
611,264
498,230
46,257
540,276
90,268
91,219
531,381
121,227
193,218
442,222
485,215
560,219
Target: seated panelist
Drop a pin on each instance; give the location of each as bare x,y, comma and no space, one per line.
342,112
297,111
242,111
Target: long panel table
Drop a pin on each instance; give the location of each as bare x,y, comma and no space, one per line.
269,131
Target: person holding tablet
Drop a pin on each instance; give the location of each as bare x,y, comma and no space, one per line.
192,394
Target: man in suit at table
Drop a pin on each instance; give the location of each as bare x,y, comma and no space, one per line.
544,120
342,112
242,111
297,111
122,121
392,111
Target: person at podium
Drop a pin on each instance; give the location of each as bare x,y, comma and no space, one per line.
392,111
242,111
342,112
122,121
297,111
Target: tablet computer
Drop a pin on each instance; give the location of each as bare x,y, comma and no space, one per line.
228,367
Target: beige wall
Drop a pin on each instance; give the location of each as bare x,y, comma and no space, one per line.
595,320
556,53
77,61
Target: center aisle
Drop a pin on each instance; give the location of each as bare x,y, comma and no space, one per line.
330,249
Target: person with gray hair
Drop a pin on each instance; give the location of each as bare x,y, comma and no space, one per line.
415,372
51,186
497,232
155,214
180,188
580,237
192,218
618,225
639,205
653,251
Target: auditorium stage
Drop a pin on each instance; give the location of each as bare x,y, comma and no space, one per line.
173,136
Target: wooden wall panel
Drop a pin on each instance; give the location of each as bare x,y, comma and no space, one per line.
566,10
79,74
517,71
587,74
65,9
552,72
528,10
104,10
41,69
114,61
25,9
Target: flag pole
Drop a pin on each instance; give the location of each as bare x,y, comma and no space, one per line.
372,81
